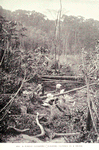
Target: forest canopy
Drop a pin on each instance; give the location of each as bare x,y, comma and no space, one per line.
75,32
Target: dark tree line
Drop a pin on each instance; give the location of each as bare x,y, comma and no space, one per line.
76,32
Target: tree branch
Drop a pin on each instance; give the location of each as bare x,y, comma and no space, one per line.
41,127
17,130
12,99
88,101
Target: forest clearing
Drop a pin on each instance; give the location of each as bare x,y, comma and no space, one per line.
49,78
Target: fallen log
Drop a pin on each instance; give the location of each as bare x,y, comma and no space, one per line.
68,134
63,77
62,81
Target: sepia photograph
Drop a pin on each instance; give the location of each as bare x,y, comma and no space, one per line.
49,73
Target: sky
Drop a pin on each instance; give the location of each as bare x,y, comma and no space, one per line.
86,8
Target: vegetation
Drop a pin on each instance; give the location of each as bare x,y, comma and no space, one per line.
29,71
76,32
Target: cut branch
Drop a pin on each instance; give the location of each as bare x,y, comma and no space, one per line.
90,114
41,127
68,134
17,130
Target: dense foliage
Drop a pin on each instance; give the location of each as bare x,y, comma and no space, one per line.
75,32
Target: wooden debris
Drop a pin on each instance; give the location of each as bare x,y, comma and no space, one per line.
68,134
41,127
17,130
61,81
63,77
90,116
